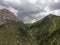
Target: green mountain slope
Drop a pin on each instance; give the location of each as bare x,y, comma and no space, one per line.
45,28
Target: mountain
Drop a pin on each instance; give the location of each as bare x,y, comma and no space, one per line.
46,31
12,31
6,14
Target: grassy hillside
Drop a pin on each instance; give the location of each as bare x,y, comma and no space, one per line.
45,28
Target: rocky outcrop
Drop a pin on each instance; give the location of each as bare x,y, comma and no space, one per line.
6,15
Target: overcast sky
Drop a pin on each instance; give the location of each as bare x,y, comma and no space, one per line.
31,10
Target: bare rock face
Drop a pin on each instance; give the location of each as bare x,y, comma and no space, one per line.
6,15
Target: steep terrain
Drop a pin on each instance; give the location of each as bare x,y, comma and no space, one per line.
12,31
46,31
15,32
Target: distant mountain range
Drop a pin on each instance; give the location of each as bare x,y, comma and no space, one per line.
43,32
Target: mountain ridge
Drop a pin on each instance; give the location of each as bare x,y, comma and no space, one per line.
44,27
43,32
6,15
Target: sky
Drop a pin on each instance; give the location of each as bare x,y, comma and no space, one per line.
30,11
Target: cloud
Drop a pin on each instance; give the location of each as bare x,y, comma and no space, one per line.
31,10
10,9
32,1
13,10
1,7
12,2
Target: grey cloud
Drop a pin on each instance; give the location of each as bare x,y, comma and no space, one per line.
26,9
30,10
54,5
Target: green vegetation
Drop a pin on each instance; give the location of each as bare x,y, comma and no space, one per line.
46,31
42,32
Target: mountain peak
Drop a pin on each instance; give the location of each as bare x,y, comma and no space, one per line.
51,15
5,14
46,31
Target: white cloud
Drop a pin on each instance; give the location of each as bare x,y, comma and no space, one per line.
56,12
42,1
27,19
46,9
15,2
32,21
56,1
32,1
13,10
